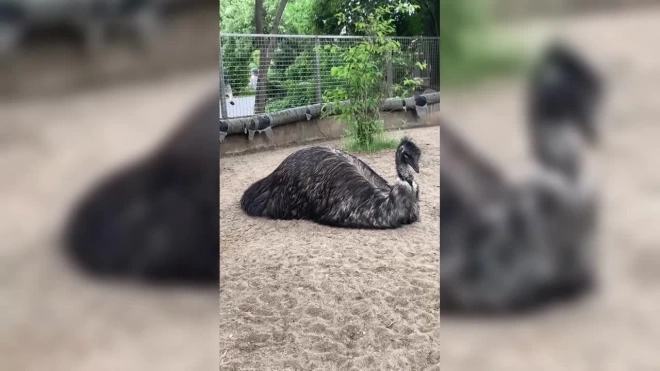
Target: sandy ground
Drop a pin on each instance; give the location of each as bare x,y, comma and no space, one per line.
51,149
617,329
300,296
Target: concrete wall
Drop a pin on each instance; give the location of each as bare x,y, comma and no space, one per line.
313,130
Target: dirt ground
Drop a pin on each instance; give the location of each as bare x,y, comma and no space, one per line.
301,296
618,328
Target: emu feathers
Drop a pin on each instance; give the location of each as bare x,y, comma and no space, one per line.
155,220
331,187
511,246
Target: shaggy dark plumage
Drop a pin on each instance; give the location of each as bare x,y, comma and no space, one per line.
508,247
334,188
156,220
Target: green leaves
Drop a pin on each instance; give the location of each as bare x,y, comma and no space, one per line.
363,75
237,16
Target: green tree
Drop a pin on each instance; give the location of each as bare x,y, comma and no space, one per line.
425,22
240,16
266,47
359,98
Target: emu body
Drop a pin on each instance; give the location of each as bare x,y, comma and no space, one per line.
507,247
334,188
155,220
511,246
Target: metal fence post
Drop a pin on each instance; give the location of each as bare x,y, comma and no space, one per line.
223,101
317,70
390,77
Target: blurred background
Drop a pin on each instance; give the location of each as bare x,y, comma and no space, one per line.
486,49
86,88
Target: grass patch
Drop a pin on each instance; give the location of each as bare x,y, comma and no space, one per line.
381,141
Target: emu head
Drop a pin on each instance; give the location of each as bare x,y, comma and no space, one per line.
564,95
407,154
565,88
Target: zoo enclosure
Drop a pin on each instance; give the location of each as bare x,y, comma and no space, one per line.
300,71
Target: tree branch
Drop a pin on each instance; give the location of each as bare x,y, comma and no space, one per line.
258,16
266,56
278,17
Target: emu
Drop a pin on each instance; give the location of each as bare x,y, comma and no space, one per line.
334,188
155,221
506,246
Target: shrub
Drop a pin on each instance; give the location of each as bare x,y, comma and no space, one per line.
363,90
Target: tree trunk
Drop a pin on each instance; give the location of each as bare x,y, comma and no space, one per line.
266,46
262,81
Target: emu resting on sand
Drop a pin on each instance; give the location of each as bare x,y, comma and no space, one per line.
155,221
508,246
331,187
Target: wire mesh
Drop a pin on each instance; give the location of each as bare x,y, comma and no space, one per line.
298,70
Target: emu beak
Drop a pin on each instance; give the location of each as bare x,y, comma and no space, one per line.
415,167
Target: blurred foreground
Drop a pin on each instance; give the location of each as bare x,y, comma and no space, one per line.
617,329
53,151
49,47
65,122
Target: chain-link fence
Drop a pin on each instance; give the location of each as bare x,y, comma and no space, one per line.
298,70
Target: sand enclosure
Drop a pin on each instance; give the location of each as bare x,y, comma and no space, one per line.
300,296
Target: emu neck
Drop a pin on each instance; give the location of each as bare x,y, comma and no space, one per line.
559,147
403,171
569,170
